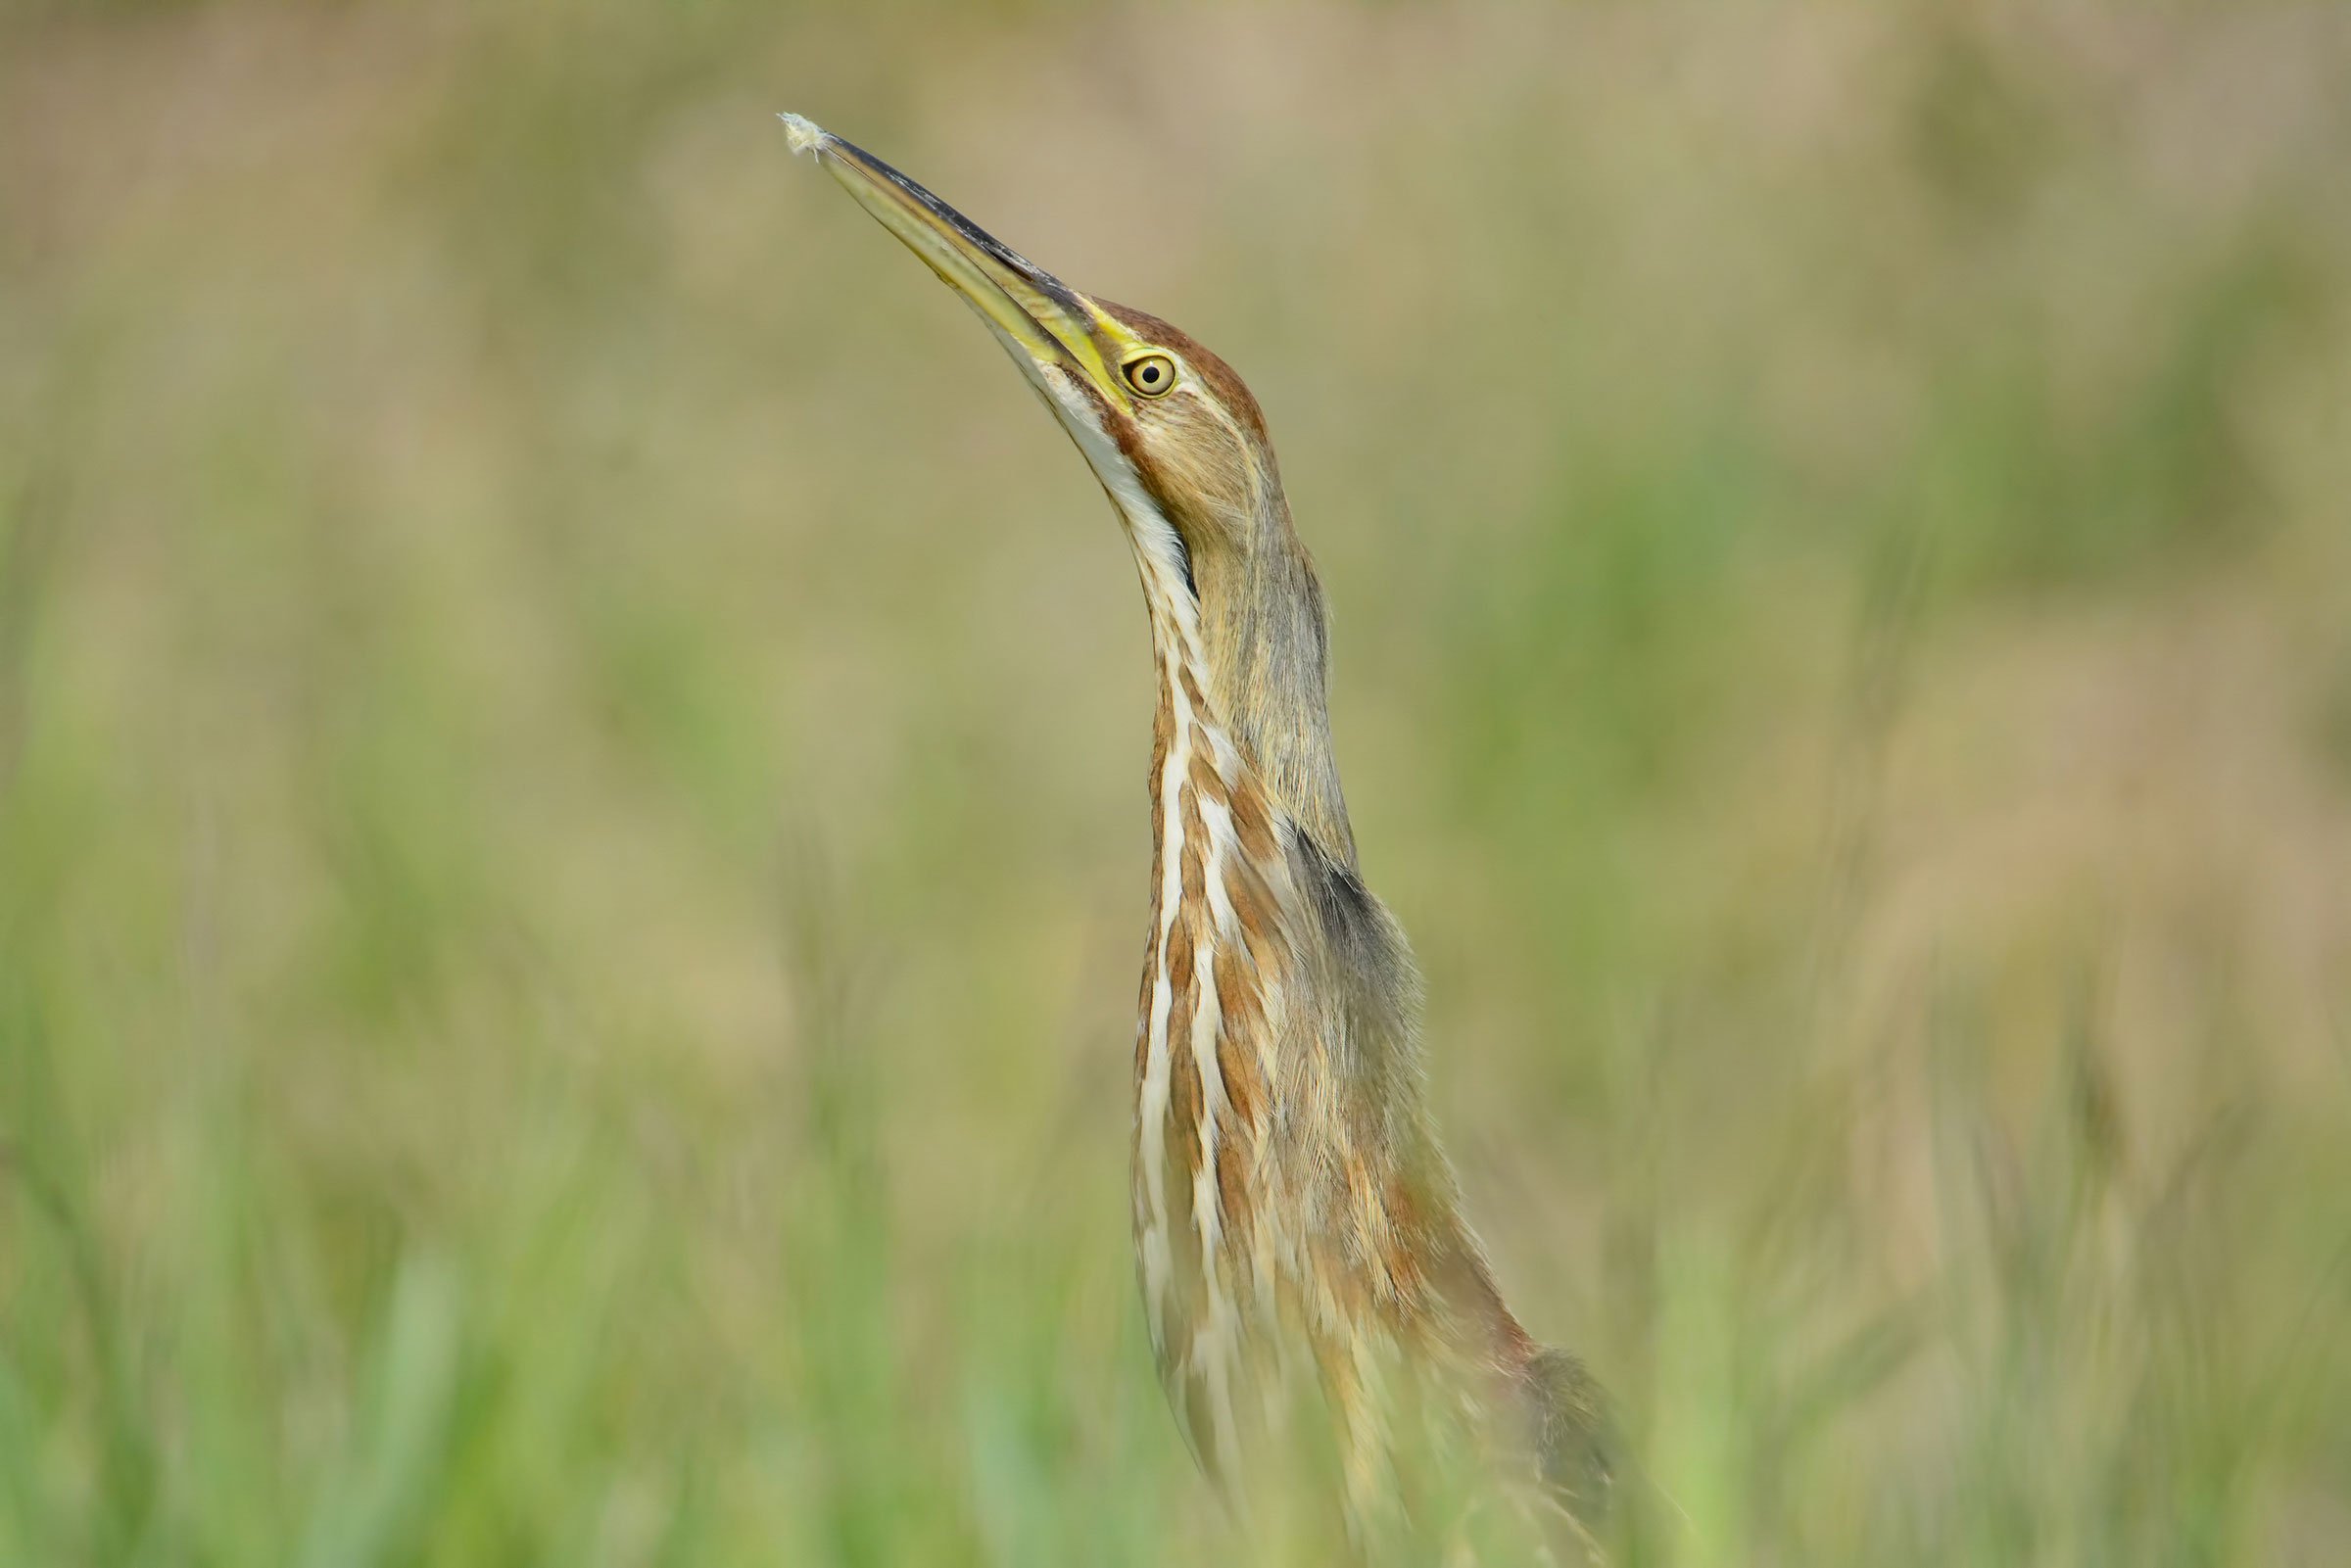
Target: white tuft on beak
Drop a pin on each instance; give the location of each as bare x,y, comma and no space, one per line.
805,135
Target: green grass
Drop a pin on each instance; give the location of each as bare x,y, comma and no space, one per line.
570,751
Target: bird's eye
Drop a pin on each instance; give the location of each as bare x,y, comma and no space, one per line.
1153,375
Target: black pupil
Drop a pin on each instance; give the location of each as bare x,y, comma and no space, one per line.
1149,373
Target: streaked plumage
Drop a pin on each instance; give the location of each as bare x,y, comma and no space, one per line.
1295,1220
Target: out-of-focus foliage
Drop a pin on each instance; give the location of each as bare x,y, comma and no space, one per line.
571,825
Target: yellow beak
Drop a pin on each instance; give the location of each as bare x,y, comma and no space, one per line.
1034,312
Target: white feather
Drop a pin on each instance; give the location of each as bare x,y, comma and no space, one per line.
804,135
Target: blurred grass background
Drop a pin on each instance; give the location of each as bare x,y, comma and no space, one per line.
571,828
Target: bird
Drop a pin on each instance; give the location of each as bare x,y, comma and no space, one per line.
1295,1220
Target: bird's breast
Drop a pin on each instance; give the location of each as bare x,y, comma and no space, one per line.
1214,973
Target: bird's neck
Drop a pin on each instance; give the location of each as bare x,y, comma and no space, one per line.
1248,629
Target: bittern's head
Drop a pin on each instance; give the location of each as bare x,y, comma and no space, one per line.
1173,434
1179,444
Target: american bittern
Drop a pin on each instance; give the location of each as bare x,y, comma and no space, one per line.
1291,1205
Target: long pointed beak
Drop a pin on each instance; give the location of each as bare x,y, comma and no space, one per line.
1035,312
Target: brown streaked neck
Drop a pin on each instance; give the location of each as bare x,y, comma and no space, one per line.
1265,643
